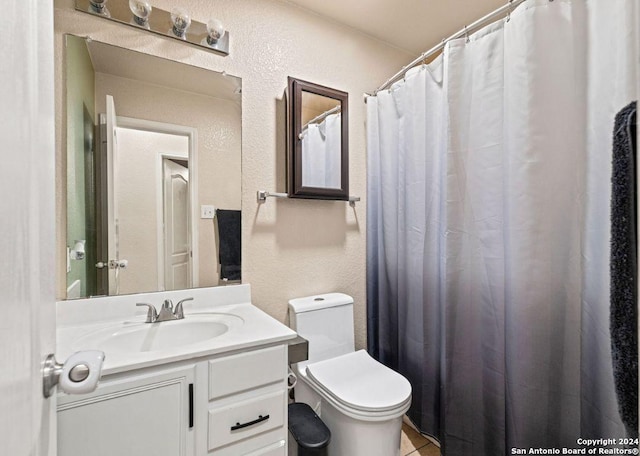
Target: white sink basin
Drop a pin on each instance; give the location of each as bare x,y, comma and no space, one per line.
138,337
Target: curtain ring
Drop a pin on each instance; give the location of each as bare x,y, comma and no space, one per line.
509,10
466,34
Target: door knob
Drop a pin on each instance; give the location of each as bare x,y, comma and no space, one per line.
79,374
112,264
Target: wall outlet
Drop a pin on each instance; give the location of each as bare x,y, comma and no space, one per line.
207,212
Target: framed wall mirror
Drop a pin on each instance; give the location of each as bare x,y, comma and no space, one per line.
153,173
317,141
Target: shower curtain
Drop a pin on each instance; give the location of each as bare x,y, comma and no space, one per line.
321,158
488,228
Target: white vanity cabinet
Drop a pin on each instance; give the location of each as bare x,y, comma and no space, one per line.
130,415
247,403
225,405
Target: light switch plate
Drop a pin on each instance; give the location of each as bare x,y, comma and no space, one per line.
207,212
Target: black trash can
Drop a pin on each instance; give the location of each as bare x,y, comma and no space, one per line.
310,433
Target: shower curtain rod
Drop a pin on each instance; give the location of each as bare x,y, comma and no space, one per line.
323,115
505,9
320,117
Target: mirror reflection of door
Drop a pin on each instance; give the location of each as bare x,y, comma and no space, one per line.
177,265
110,244
148,222
321,141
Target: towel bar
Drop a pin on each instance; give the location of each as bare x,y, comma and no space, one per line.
263,195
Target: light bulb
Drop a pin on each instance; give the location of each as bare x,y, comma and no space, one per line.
215,31
100,7
99,4
141,11
181,21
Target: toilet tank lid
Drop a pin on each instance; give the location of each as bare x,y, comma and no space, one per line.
317,302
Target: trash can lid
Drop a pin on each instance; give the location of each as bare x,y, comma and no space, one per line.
307,428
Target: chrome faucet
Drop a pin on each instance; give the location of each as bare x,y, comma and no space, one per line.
152,315
167,312
178,311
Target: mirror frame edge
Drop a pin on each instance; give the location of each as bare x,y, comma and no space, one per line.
295,189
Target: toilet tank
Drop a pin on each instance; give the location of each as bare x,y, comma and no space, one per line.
326,321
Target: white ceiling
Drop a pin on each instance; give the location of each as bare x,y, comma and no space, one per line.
412,25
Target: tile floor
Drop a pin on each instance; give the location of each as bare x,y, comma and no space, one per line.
412,443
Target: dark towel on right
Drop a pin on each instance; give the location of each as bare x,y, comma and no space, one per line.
624,267
229,251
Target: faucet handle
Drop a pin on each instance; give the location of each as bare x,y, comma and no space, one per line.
179,312
152,314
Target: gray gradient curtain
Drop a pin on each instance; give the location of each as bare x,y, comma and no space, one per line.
488,228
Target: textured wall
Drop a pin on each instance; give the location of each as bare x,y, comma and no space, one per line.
290,248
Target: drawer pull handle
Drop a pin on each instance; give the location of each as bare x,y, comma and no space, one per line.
260,419
190,405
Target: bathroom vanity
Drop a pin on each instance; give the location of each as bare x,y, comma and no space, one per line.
222,395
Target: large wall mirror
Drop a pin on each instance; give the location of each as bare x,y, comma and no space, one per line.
318,141
153,173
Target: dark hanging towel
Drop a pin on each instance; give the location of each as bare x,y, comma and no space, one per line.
624,268
230,243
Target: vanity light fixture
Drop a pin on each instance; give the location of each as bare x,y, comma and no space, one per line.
215,31
99,7
176,24
181,21
141,11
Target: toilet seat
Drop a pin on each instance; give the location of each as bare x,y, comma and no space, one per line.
360,386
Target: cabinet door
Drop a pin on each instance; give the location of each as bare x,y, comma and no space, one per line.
144,415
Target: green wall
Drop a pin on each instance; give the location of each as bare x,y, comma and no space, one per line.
80,85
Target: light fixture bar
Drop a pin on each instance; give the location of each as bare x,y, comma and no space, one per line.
159,22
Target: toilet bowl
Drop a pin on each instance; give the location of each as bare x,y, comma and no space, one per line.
359,399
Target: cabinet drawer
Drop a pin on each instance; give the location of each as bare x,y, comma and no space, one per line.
237,373
245,419
278,449
254,447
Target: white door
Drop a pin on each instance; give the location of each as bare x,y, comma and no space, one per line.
112,201
27,227
176,226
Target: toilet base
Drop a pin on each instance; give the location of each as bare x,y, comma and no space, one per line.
361,438
350,436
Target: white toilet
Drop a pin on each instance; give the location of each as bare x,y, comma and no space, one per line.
359,399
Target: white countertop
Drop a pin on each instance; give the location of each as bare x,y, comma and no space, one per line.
82,317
